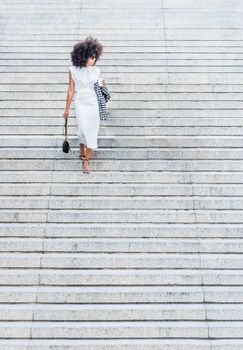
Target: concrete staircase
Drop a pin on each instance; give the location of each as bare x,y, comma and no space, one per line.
145,253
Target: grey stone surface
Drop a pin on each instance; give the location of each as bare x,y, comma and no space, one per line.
145,253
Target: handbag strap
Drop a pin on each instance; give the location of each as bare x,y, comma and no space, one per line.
65,129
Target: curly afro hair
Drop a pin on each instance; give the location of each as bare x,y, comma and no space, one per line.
85,49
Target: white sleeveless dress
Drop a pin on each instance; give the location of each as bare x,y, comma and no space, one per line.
86,104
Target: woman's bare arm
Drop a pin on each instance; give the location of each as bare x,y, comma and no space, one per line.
70,94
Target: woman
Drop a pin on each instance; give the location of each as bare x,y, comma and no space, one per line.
82,76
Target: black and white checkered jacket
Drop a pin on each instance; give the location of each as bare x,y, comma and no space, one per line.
103,97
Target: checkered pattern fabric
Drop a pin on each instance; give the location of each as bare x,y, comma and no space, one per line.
103,97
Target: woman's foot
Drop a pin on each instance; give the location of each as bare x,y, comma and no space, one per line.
86,168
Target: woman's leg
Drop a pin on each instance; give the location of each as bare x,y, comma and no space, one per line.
89,152
82,150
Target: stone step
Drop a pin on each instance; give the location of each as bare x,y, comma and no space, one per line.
125,77
122,260
207,5
111,312
123,216
193,33
63,53
129,113
124,277
150,37
54,8
122,14
34,178
167,104
124,245
121,131
123,165
124,142
67,12
216,89
109,38
126,69
122,40
123,96
128,78
125,122
86,3
118,230
122,330
72,22
192,19
28,182
183,5
119,344
122,202
125,189
84,30
122,295
127,154
185,34
125,45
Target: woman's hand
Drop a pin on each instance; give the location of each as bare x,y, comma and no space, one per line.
66,114
101,82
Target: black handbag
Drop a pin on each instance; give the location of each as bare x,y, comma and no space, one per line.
65,145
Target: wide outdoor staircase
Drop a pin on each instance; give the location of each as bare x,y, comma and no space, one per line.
145,253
